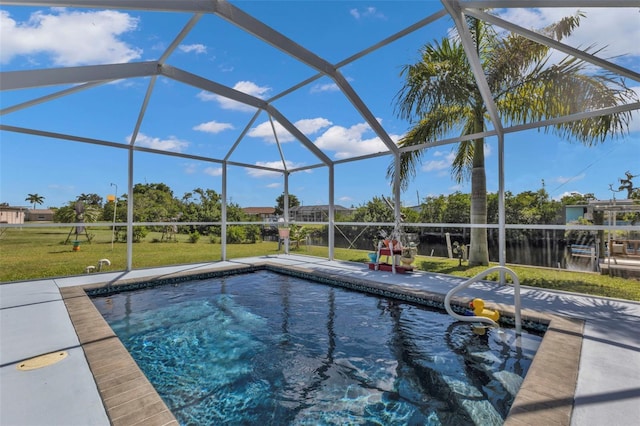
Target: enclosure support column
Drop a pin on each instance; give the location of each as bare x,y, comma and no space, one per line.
130,200
115,207
502,233
130,212
286,210
223,213
331,227
396,190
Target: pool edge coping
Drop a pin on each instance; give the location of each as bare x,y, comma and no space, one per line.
547,392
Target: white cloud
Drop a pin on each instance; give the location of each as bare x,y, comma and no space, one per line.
248,87
563,179
190,168
274,185
487,150
566,194
170,144
265,131
260,173
616,29
69,37
345,199
213,171
437,165
328,87
213,127
308,126
367,12
206,96
446,161
159,46
197,48
351,142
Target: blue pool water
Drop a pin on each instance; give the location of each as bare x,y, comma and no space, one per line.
271,349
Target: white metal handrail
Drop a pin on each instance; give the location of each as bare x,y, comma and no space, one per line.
475,318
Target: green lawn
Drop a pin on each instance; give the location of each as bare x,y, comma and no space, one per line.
32,253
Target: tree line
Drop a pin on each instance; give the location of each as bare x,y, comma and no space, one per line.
156,202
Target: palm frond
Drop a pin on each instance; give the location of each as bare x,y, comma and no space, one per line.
442,77
566,88
461,165
439,123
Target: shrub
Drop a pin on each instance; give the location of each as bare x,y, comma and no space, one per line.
253,234
139,233
194,237
236,234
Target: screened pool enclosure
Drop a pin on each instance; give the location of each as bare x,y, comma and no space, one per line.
255,99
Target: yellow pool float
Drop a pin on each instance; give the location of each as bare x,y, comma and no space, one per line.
478,309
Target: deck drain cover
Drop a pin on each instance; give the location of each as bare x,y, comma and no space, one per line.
42,361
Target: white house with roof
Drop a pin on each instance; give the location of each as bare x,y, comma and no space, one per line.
12,214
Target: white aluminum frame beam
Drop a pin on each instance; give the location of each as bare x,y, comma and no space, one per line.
270,36
143,110
402,33
504,4
14,80
291,128
474,61
549,42
520,127
211,86
89,76
242,134
238,96
50,97
81,139
176,42
196,6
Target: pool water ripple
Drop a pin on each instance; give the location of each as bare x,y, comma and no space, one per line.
265,348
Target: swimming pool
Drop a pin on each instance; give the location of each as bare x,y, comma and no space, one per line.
266,348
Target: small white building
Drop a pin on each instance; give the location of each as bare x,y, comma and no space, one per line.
12,215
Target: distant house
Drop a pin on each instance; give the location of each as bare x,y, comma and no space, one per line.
610,210
575,213
39,215
12,215
318,213
266,214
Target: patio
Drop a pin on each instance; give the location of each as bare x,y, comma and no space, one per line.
588,371
585,373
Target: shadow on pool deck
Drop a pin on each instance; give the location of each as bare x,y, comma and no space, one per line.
585,371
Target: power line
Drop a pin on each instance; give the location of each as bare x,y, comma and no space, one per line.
583,170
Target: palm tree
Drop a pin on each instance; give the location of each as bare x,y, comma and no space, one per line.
440,97
34,199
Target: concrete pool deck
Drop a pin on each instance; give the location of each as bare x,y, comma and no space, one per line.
96,385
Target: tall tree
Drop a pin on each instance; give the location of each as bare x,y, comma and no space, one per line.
152,202
34,199
440,97
90,199
293,202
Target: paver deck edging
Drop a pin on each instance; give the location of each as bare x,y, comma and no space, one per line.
547,393
127,395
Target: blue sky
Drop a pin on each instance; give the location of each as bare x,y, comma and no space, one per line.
182,118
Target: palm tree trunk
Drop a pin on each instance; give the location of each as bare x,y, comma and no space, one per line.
479,250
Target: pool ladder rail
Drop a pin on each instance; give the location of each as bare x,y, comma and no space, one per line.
485,320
